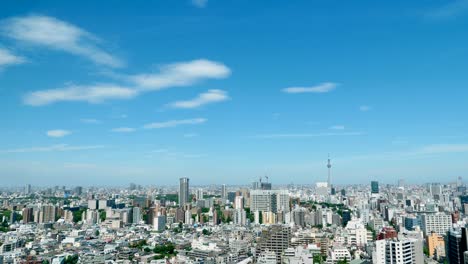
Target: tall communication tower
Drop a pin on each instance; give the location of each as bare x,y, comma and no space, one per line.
329,171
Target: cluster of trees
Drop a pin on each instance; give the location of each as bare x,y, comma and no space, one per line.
71,259
77,215
4,224
163,251
140,244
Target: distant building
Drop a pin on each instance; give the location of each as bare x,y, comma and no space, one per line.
269,200
275,238
28,215
411,222
136,215
27,189
346,217
374,187
439,223
231,196
394,251
184,195
199,194
224,193
456,245
239,202
159,223
436,244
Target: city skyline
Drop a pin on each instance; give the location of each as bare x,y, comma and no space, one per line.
223,92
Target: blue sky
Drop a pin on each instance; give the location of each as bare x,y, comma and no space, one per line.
227,91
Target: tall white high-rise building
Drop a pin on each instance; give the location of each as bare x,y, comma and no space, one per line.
239,202
199,194
188,217
136,215
184,195
240,217
27,189
224,194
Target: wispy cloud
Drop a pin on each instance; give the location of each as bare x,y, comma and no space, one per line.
449,10
91,94
7,58
53,148
90,121
199,3
308,135
181,74
364,108
59,35
337,127
174,123
160,151
58,133
209,97
123,129
442,148
418,152
321,88
172,75
190,135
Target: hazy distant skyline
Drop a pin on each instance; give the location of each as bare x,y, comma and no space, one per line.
228,91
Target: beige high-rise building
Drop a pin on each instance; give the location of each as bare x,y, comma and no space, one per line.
436,244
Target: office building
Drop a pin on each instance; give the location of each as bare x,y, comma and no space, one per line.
269,200
456,245
159,223
439,223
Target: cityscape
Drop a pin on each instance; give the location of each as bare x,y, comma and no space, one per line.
255,223
233,132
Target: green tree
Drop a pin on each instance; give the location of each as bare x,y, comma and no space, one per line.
102,215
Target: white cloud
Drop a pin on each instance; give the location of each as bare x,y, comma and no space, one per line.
190,135
309,135
57,34
199,3
174,123
53,148
8,58
172,75
337,127
211,96
160,151
90,121
442,148
364,108
321,88
450,10
58,133
181,74
123,130
91,94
